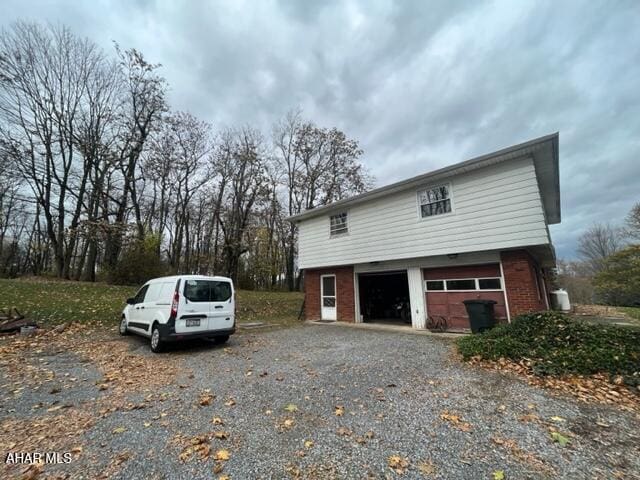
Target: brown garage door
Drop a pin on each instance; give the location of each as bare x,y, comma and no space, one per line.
448,287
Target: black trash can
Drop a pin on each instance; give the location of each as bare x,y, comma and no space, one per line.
481,314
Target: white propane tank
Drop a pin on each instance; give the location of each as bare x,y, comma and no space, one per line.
560,300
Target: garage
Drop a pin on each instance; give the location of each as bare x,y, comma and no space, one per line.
446,288
384,297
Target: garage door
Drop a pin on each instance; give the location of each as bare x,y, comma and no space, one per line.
446,289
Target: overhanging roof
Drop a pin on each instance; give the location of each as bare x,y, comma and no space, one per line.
543,150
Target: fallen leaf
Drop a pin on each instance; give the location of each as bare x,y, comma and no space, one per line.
206,398
339,411
221,434
217,421
559,438
398,464
498,475
558,419
230,403
308,443
222,455
426,467
291,408
119,430
288,423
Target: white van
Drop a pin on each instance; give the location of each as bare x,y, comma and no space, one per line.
181,307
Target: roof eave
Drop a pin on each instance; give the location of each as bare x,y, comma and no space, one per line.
505,154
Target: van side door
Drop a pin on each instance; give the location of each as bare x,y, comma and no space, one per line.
149,306
221,308
135,310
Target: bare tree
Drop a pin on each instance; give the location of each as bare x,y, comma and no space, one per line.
633,222
597,243
245,161
43,82
144,104
320,166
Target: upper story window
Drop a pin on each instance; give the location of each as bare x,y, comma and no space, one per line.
339,224
435,201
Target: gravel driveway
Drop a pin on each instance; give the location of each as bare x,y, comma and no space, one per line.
322,401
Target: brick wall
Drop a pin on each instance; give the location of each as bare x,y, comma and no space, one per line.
344,292
523,293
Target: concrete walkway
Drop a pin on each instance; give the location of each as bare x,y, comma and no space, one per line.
385,327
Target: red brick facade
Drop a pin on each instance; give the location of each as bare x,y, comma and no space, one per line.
524,282
449,304
344,292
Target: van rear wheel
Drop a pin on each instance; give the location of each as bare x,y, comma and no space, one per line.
157,345
221,339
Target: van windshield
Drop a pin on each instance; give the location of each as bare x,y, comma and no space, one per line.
207,291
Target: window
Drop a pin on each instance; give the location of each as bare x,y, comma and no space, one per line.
434,201
139,298
435,285
339,224
461,284
489,284
207,291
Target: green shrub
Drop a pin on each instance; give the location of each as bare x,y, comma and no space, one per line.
618,283
555,345
139,263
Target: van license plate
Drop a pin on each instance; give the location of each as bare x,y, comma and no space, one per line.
193,322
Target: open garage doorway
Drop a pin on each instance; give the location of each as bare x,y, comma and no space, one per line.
384,297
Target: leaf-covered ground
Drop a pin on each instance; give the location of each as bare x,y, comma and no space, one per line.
52,301
311,402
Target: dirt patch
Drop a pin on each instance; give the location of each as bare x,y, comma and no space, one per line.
59,432
589,389
37,363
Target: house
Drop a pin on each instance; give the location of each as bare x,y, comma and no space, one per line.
416,249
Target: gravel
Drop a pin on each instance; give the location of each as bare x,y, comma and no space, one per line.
393,388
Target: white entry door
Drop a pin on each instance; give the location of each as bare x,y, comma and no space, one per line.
328,309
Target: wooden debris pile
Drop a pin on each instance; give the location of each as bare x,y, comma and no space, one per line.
12,321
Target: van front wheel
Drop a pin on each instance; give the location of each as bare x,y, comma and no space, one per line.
157,344
123,326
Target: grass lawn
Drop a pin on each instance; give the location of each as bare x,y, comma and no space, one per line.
633,312
54,301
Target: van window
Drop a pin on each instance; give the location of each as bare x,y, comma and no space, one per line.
139,298
207,291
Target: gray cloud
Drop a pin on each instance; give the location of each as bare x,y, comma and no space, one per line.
420,84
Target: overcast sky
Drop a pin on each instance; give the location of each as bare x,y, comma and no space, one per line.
420,84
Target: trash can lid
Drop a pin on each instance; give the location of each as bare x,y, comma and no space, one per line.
479,301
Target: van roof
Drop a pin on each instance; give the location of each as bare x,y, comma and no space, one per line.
192,277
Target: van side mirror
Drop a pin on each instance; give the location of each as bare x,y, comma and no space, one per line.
131,301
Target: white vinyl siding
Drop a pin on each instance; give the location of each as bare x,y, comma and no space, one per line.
495,207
